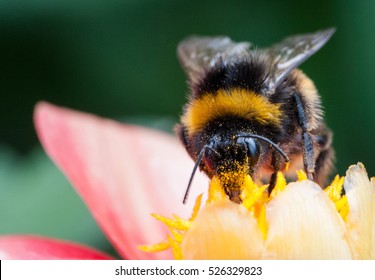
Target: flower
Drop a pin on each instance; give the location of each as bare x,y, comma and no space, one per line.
16,247
123,173
296,221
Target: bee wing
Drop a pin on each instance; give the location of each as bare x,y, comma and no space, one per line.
198,54
293,51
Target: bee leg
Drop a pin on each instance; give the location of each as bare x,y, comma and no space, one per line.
276,164
181,134
324,161
308,146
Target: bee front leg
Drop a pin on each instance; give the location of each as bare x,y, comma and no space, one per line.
276,164
326,155
308,145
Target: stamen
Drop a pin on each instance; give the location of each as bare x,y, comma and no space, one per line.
216,191
280,185
175,223
197,206
301,175
158,247
176,249
251,193
254,198
334,192
262,222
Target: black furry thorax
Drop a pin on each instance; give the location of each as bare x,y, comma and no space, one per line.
247,74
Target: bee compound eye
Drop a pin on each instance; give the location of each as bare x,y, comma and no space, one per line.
253,150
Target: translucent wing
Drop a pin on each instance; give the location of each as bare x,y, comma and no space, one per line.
292,51
198,54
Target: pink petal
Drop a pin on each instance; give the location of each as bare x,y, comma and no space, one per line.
122,172
41,248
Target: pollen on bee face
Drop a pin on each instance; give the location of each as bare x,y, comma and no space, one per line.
232,176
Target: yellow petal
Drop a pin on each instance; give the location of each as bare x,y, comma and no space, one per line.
304,224
361,217
223,230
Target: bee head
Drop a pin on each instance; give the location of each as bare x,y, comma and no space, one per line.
225,154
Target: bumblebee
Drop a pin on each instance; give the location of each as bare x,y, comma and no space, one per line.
250,111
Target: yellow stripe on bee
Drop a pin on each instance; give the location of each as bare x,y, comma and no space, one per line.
236,102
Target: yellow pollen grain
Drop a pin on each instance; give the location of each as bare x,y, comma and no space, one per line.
236,102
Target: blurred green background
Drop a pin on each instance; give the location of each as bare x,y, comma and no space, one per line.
117,59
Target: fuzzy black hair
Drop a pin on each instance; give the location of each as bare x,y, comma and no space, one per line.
248,74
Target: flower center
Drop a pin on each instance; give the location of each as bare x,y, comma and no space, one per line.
231,221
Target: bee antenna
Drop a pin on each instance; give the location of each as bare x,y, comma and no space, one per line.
197,162
274,145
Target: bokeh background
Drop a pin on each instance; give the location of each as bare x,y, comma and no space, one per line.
117,59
